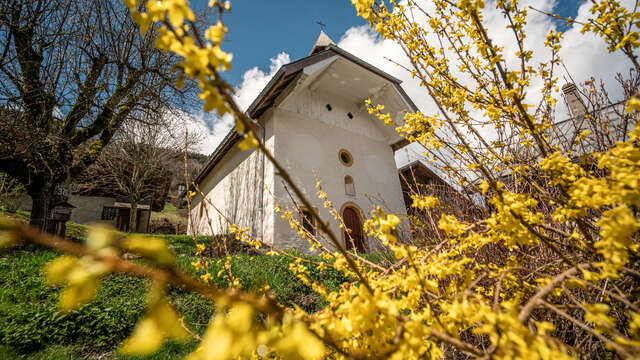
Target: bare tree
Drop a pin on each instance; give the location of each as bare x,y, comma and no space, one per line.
11,192
138,162
71,72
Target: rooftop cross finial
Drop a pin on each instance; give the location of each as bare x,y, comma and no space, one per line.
322,42
322,25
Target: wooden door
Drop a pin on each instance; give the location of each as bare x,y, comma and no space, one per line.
122,222
353,240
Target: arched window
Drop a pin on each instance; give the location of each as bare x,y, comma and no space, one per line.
349,186
307,221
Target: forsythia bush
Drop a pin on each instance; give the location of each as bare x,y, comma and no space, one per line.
552,272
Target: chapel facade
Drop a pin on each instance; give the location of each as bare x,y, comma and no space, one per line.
312,117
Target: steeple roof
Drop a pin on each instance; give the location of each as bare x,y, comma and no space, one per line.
322,42
324,49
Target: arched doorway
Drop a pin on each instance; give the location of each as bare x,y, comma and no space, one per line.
354,239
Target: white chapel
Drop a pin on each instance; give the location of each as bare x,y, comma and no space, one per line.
313,119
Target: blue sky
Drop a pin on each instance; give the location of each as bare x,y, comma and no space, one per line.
264,35
260,29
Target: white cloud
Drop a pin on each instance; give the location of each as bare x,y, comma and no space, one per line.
200,125
586,55
178,121
583,55
214,128
254,80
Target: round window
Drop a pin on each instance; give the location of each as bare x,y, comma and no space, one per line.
345,157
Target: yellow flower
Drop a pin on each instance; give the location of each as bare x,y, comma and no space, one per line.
206,277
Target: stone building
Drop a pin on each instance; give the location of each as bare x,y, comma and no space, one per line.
313,119
103,209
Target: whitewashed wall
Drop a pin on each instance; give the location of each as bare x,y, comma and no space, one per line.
308,137
234,188
304,136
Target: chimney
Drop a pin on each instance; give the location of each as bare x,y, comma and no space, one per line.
573,100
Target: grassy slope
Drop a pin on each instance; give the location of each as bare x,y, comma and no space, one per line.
31,328
170,213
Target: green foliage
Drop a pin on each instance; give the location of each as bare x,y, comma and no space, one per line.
19,215
260,270
11,193
32,328
76,232
183,245
29,319
55,352
168,351
169,208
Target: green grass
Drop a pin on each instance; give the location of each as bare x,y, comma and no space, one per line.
21,215
169,208
171,215
31,328
76,232
54,352
29,320
169,351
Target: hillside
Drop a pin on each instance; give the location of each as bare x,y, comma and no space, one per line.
31,328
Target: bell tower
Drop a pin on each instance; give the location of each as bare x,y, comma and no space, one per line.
322,42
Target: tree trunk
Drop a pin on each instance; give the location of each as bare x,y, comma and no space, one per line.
133,217
43,199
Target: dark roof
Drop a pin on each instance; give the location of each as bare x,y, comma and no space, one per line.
421,171
126,200
287,73
279,82
64,204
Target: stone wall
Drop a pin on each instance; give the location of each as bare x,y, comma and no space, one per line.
88,209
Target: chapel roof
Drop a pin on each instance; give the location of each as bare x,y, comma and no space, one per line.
287,73
324,48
